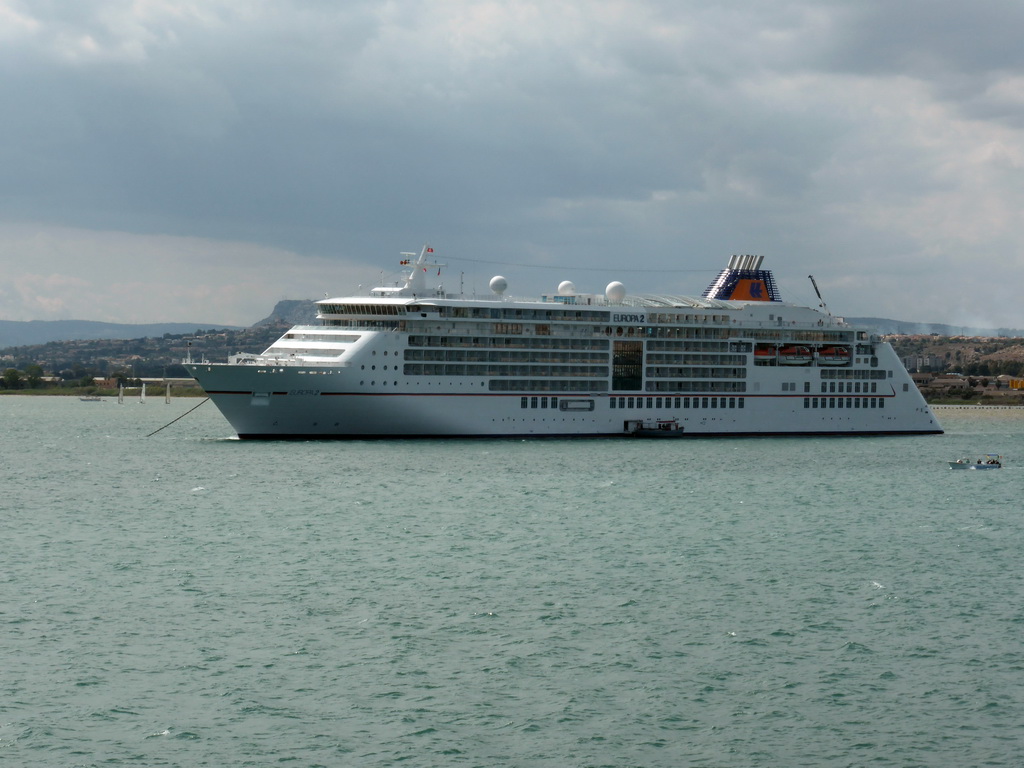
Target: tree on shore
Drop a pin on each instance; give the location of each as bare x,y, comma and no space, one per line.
12,378
34,376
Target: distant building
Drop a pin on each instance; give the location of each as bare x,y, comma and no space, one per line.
923,363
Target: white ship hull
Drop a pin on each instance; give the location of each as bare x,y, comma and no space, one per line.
407,362
305,402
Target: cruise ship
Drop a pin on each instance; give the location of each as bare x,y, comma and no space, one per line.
414,360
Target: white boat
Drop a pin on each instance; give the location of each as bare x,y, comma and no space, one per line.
413,359
656,428
987,461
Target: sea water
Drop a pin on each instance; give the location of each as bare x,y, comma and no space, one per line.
189,599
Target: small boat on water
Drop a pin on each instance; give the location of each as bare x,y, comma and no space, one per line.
91,399
986,461
656,428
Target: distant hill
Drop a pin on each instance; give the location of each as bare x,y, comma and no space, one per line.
15,333
291,312
905,327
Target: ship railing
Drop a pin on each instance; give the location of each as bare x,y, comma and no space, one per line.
302,362
272,360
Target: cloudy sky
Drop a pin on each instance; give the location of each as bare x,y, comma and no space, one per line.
198,160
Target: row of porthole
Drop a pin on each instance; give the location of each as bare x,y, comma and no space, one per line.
374,367
534,420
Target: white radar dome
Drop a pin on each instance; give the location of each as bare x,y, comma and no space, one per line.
566,288
615,292
498,284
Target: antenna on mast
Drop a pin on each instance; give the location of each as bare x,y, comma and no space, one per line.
822,305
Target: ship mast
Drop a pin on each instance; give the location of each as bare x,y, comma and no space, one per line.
415,281
822,305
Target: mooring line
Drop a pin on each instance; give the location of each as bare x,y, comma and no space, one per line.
186,413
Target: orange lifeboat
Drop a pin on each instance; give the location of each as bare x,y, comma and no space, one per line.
765,354
833,355
795,355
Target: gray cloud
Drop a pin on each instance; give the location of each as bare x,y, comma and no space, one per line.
869,144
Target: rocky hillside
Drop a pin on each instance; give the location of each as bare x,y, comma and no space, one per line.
291,312
970,355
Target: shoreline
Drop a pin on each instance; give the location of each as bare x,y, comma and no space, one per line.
978,407
133,392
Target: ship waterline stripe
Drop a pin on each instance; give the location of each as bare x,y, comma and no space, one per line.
600,396
582,436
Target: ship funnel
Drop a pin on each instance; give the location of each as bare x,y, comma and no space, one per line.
744,280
